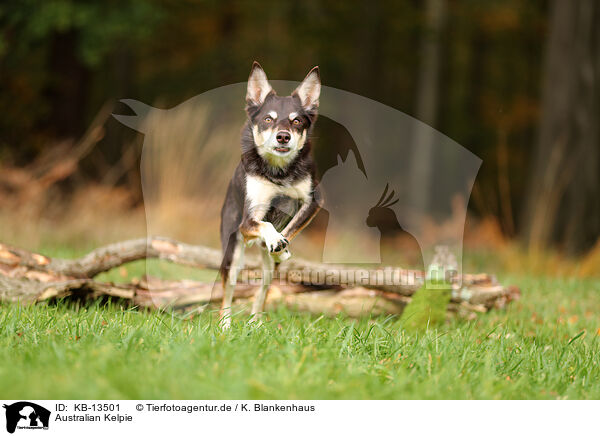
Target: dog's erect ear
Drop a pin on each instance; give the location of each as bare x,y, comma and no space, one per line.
310,89
258,86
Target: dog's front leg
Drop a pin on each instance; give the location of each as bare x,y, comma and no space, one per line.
274,244
304,216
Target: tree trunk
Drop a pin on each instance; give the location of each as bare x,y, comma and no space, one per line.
427,101
563,203
68,90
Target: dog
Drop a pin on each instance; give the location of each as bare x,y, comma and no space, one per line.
273,193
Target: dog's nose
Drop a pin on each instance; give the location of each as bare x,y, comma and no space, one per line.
283,137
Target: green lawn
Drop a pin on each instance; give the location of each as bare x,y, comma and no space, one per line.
543,346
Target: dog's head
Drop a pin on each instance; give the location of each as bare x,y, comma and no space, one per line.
280,125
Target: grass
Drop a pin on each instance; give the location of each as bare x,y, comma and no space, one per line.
544,346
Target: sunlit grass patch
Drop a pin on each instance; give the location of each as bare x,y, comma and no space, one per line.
544,346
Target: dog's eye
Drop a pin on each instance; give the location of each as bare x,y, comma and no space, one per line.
268,120
296,122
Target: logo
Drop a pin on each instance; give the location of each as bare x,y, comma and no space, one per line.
26,415
394,189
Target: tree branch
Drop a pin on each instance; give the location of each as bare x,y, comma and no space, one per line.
27,276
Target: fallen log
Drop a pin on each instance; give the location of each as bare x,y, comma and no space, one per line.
300,271
110,256
32,277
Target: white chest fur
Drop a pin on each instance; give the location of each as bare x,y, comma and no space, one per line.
260,192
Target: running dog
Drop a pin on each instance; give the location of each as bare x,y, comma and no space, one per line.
273,194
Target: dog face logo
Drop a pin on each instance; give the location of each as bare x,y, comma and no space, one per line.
191,150
26,415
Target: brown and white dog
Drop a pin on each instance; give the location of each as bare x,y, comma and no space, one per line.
273,193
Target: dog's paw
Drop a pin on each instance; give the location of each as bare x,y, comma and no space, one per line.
279,246
281,256
225,319
255,320
274,241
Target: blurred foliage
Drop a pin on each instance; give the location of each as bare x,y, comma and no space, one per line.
35,33
61,60
177,49
100,26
